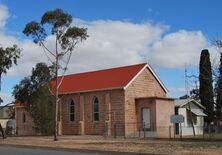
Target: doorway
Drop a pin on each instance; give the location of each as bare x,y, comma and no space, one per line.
146,120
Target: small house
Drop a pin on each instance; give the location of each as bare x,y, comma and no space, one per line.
192,111
6,119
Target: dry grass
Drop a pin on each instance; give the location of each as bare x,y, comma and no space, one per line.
120,144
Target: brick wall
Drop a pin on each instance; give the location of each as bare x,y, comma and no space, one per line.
116,112
24,128
145,85
69,127
164,109
146,103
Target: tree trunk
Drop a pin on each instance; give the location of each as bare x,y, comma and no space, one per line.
56,95
0,81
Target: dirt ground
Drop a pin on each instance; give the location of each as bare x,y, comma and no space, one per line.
99,143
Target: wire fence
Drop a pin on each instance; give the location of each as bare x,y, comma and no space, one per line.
142,130
152,130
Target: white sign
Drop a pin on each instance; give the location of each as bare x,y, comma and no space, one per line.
176,118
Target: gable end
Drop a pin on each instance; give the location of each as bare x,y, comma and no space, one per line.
152,72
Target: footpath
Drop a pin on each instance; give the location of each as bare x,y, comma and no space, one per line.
116,146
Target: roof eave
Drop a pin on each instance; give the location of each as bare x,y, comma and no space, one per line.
191,100
86,91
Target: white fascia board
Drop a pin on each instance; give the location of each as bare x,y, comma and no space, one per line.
198,103
154,74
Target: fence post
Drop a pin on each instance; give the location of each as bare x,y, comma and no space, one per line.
170,131
144,132
115,130
106,130
209,132
180,131
125,132
203,131
174,130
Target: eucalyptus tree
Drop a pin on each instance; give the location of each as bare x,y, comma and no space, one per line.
56,23
8,57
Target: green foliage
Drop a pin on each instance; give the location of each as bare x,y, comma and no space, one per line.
8,57
73,35
11,112
219,91
60,22
206,88
42,111
58,19
35,30
34,90
184,97
23,90
41,74
195,94
1,100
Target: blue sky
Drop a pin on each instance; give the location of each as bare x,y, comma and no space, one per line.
169,34
184,14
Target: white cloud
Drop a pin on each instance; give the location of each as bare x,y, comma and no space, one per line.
111,43
114,43
178,49
4,14
7,97
117,43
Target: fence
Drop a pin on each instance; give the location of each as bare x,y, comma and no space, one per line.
141,130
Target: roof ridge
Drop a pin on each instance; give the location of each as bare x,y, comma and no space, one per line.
104,69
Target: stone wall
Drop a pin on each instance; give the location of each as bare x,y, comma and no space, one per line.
144,86
24,128
164,109
111,110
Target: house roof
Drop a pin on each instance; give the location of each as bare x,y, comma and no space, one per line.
114,78
20,104
182,102
198,112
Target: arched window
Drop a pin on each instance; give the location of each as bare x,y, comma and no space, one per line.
23,117
72,111
95,109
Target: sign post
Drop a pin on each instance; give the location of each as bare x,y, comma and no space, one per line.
177,119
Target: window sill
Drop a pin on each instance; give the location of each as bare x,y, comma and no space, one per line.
72,122
96,122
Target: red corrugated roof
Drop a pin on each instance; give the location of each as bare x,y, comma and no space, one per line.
20,104
99,80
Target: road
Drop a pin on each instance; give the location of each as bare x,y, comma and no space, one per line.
5,150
